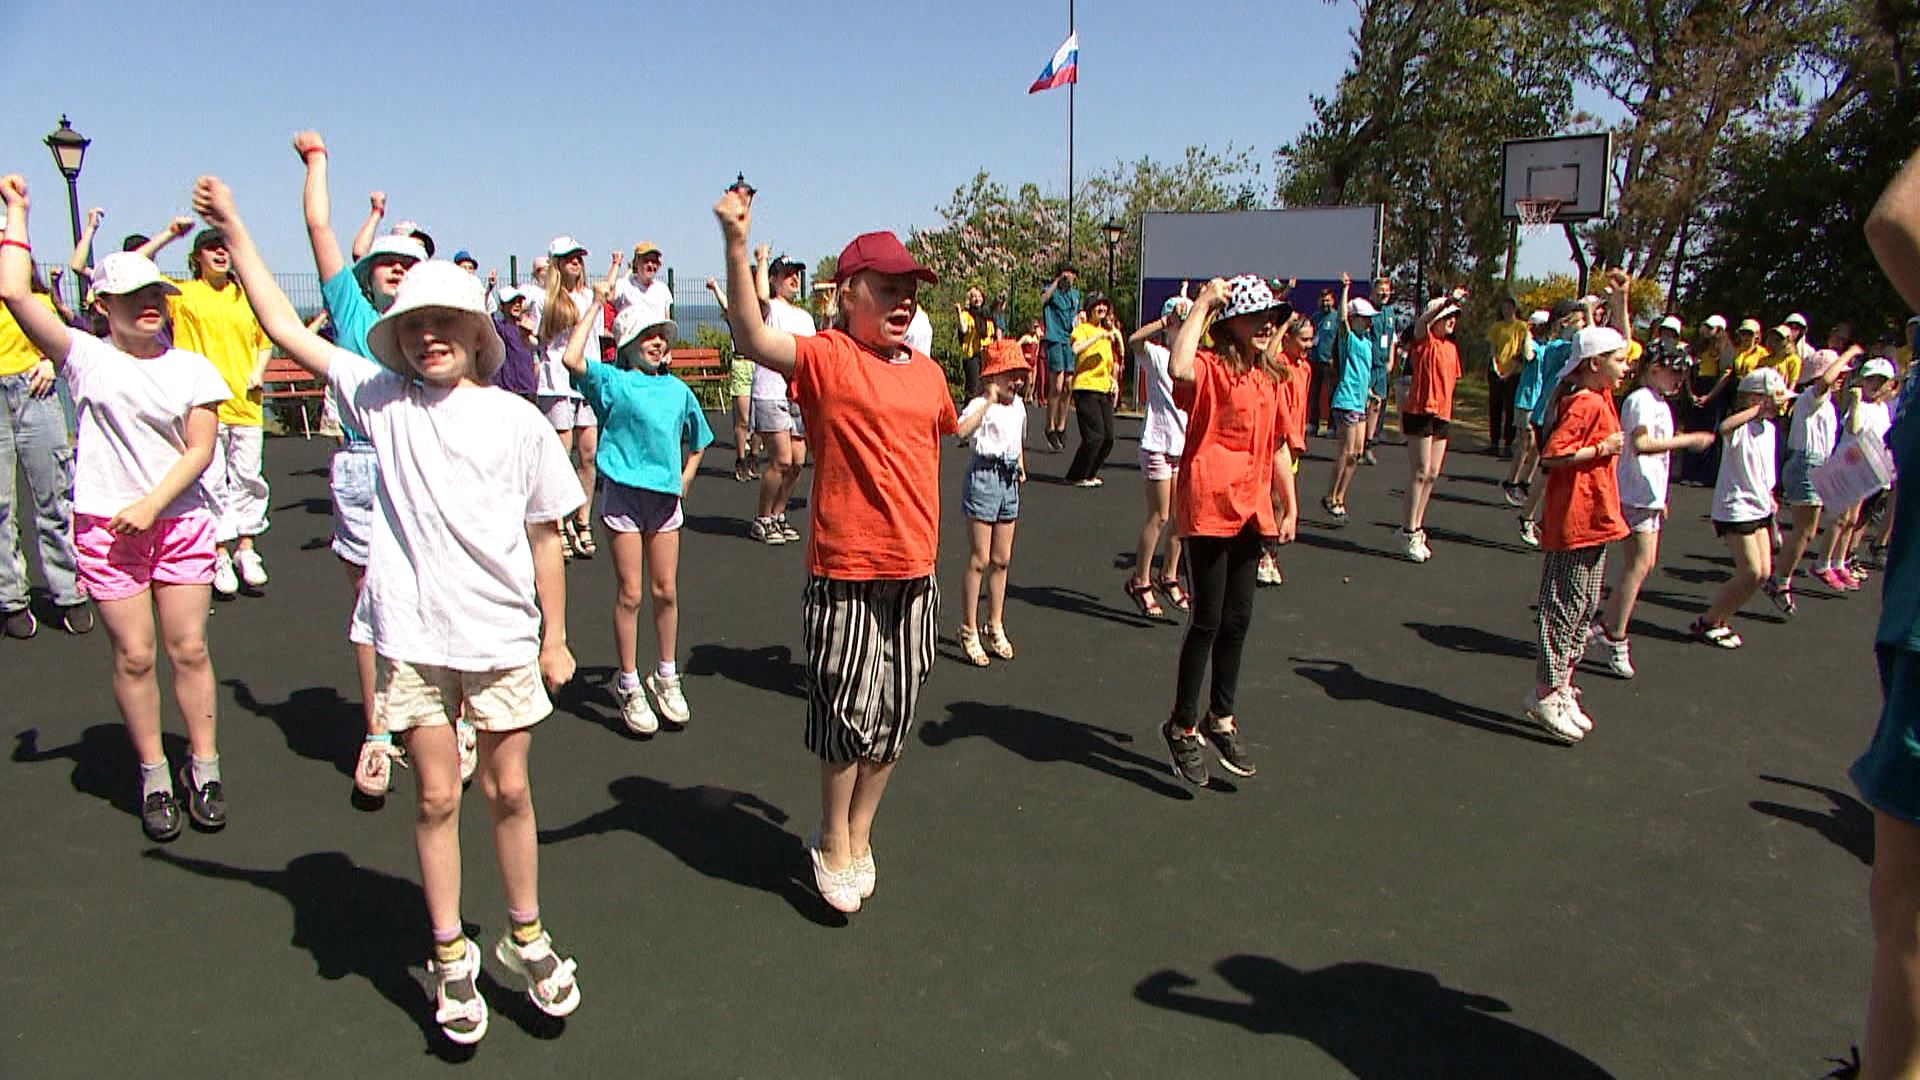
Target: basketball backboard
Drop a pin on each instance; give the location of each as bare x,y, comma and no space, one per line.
1573,169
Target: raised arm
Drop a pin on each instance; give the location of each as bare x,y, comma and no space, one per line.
719,295
1186,343
376,210
175,229
81,258
1618,314
770,348
42,327
318,205
1893,231
762,264
214,202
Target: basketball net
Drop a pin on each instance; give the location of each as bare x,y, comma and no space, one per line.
1536,215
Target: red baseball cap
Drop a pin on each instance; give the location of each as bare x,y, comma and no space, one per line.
881,252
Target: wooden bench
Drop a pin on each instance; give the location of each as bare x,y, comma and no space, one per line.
699,366
288,381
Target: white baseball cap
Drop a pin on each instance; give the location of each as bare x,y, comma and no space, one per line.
565,245
1718,322
1441,307
507,294
437,283
1597,341
1878,367
1797,319
1540,318
1673,323
1764,380
1359,307
128,271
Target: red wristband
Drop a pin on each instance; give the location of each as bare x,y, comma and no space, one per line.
21,244
312,150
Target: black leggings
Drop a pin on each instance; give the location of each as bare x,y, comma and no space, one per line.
1223,570
1500,407
1095,410
970,375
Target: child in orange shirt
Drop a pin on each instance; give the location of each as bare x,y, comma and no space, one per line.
875,411
1583,516
1427,413
1225,505
1296,341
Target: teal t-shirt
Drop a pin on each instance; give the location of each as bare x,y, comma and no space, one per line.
350,312
1060,309
1356,372
1536,379
1900,598
1326,330
647,424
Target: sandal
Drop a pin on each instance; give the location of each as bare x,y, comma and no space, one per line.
1176,595
1336,511
566,539
970,644
1722,636
583,544
1142,594
996,640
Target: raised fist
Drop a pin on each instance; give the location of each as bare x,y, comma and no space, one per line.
735,213
13,190
306,142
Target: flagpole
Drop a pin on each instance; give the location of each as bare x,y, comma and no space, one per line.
1070,89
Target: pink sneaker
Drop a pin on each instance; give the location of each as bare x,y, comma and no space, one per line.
1831,579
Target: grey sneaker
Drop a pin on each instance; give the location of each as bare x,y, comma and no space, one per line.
1188,752
20,624
77,619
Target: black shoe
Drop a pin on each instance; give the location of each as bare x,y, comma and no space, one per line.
77,619
1233,755
20,624
207,806
160,816
1188,752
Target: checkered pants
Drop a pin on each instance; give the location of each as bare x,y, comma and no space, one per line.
1569,602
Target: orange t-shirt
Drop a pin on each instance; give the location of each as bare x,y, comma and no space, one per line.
1435,368
874,426
1226,472
1583,501
1293,403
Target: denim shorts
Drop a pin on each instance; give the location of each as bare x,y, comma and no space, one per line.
1796,478
991,491
1888,773
352,479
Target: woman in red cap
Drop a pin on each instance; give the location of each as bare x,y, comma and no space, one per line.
875,411
996,422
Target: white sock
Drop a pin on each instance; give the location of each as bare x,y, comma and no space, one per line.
154,778
206,770
667,669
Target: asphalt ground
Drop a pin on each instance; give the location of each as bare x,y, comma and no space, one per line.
1415,884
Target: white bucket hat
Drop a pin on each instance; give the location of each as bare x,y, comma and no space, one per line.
1765,381
437,284
128,271
630,325
1248,294
390,246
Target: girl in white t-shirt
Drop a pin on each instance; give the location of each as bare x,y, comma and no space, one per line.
1647,421
1811,434
776,418
143,528
555,310
1868,417
465,595
1743,500
996,422
1162,440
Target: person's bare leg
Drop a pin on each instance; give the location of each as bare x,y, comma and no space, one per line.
586,444
516,842
1806,519
1418,447
1642,549
790,476
979,553
363,659
663,588
865,806
837,781
1000,558
136,689
1893,999
1436,460
436,822
1837,536
182,612
773,478
1747,550
1159,499
629,592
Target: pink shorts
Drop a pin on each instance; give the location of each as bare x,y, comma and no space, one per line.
1155,465
176,551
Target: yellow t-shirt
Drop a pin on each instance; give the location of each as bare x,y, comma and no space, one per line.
1093,369
1747,359
219,325
1787,364
17,354
1509,341
974,334
1903,359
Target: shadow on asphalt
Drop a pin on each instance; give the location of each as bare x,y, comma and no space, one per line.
317,722
1472,639
1343,682
727,835
769,667
1075,602
1374,1019
103,761
1045,739
1847,824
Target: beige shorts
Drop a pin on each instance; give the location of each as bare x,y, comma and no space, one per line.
423,695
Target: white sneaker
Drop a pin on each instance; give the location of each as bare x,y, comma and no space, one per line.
668,699
633,709
1529,532
865,874
459,1009
1554,714
839,888
1579,713
1426,550
225,581
1411,543
253,569
1619,656
1268,572
469,740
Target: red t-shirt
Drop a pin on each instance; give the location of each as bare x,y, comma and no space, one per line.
874,426
1293,403
1434,368
1226,471
1583,501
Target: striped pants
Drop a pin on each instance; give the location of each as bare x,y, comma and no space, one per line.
869,648
1569,601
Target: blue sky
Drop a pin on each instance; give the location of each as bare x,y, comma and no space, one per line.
498,125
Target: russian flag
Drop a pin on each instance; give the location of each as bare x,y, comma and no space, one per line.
1062,69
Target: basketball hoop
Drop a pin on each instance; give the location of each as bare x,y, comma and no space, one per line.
1536,215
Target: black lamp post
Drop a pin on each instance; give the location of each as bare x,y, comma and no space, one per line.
69,153
1114,231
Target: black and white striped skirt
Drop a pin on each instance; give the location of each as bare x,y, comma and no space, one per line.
869,648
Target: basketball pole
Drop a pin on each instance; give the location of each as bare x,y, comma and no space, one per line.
1579,254
1513,250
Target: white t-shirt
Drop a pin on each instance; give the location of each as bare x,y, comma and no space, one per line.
920,332
1165,430
133,423
1643,477
463,471
1744,491
553,373
1875,417
768,384
1815,423
656,299
1002,432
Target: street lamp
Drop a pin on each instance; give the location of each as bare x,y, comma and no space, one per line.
69,152
1114,231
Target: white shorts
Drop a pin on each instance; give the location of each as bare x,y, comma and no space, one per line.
426,695
1155,465
1642,519
635,510
772,415
567,413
